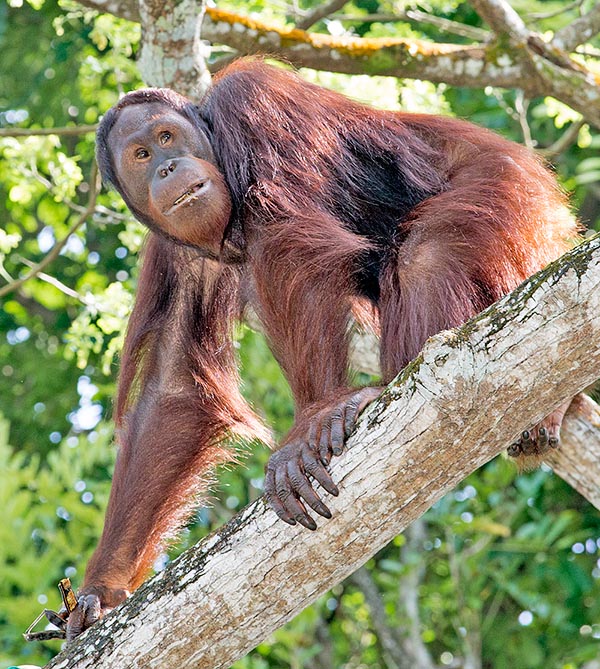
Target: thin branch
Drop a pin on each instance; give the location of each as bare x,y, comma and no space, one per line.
588,51
320,12
537,16
53,281
392,651
551,69
408,595
4,272
509,110
415,15
446,25
468,618
564,142
521,106
71,130
492,611
58,247
48,185
324,657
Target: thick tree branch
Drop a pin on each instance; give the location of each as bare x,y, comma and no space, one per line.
577,461
551,70
398,57
580,31
526,62
470,392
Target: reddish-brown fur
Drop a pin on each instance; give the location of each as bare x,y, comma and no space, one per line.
336,205
178,397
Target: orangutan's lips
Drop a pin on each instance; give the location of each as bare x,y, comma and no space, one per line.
190,194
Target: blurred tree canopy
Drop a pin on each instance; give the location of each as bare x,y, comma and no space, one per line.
503,572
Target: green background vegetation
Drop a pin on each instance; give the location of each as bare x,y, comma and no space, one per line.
510,564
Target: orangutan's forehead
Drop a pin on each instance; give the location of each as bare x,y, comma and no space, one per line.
135,118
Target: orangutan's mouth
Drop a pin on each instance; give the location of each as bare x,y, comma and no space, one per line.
191,194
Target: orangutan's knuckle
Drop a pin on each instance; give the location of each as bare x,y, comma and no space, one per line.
296,481
283,493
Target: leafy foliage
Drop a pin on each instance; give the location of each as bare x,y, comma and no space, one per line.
52,517
507,569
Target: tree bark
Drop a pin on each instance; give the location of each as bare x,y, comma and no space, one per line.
517,58
577,461
467,395
172,52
